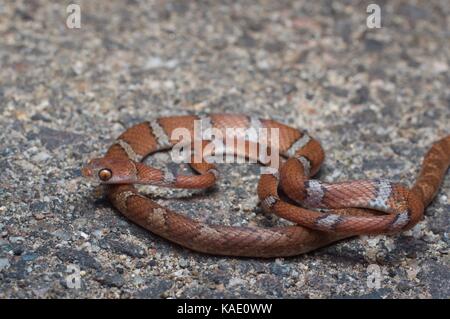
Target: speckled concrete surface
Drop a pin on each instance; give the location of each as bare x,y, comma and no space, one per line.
375,98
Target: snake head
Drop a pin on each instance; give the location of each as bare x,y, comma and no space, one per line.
110,171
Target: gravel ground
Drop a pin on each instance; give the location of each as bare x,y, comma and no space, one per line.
376,98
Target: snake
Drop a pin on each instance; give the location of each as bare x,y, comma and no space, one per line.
321,213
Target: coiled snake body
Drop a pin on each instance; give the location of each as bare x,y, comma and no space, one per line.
341,210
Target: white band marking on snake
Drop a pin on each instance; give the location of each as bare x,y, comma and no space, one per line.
214,172
401,220
298,144
161,136
132,155
306,165
314,193
329,221
269,201
384,191
121,200
157,218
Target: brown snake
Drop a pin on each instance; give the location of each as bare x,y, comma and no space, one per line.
342,209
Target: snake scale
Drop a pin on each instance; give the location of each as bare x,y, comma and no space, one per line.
323,213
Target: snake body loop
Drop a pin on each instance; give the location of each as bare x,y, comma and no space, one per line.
328,212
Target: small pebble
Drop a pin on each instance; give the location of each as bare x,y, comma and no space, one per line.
4,264
38,216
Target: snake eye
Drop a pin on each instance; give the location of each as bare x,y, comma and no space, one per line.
104,174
